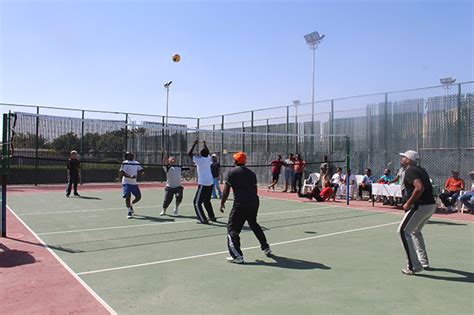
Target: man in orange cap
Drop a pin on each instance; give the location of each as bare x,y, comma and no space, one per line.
245,208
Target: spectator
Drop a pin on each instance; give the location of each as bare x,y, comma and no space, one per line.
276,170
452,188
319,195
399,180
468,198
348,178
299,170
366,184
387,178
216,172
336,181
289,164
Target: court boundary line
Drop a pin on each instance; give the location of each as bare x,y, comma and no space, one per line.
167,223
65,266
223,252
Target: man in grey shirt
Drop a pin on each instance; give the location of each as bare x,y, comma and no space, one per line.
173,185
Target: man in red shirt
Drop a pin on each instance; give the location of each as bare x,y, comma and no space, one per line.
276,170
452,188
319,195
299,169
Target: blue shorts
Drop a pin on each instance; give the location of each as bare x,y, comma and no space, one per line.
131,189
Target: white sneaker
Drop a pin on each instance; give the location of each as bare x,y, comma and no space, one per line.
163,212
236,260
175,211
267,251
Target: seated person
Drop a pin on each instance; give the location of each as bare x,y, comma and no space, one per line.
367,183
452,188
348,178
319,195
386,179
336,181
468,198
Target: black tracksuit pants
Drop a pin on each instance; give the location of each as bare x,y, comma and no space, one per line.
203,196
237,217
73,182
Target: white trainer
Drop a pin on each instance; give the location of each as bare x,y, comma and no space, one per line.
236,260
267,251
163,212
175,211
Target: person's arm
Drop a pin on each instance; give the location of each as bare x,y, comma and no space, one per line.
190,153
225,195
446,185
463,184
394,180
419,188
205,145
79,170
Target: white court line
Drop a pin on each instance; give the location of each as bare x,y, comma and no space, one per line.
68,269
223,252
148,224
92,210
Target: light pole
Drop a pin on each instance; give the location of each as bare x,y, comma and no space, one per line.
313,39
167,87
296,103
167,133
447,82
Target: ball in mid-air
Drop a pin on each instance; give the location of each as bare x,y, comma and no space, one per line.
176,58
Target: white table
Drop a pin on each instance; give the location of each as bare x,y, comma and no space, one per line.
391,190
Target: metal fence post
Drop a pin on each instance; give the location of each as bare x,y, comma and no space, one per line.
82,133
222,134
251,129
459,131
385,131
331,130
126,132
287,129
36,146
243,136
267,145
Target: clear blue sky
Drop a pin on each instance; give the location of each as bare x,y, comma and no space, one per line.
236,55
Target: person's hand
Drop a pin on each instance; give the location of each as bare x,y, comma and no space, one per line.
196,141
222,207
133,176
204,142
406,207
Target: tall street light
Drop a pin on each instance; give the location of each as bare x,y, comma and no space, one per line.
167,87
447,82
296,103
313,39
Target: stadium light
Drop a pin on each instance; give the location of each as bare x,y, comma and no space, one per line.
167,87
313,39
447,82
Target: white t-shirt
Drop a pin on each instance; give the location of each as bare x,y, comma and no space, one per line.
131,168
289,164
336,179
203,165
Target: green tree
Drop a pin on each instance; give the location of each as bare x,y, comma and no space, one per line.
65,143
28,141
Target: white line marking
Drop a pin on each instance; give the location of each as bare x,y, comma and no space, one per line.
223,252
89,289
92,210
148,224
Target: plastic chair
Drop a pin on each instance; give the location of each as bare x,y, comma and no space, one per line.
311,181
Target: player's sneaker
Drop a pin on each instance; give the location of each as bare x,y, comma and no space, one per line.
213,219
410,272
175,211
163,212
267,251
131,210
236,260
129,214
426,266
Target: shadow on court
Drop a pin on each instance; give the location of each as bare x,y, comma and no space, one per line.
12,258
289,263
86,197
445,223
152,219
463,276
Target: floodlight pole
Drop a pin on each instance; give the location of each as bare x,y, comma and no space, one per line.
167,87
296,103
447,82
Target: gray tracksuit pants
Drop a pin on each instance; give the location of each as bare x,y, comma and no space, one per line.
411,237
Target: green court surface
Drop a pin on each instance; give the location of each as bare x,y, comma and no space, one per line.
327,259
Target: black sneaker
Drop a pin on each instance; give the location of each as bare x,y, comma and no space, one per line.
213,219
76,194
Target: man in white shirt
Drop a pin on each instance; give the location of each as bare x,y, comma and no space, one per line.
129,170
206,183
173,184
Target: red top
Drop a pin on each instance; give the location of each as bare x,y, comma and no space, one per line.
326,193
299,166
453,184
276,166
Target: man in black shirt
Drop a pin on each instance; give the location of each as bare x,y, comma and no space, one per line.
419,208
216,171
73,173
244,184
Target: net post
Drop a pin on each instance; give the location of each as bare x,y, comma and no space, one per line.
5,159
348,166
